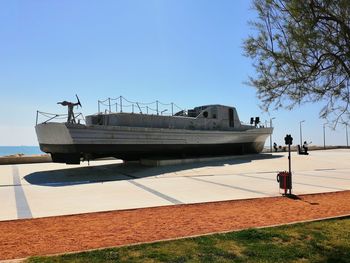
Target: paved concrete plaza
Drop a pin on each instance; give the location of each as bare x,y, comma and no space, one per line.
40,190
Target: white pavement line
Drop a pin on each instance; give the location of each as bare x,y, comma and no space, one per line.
23,209
313,185
231,186
159,194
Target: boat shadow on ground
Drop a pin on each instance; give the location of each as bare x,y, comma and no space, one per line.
126,171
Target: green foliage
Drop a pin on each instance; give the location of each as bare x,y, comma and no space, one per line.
301,53
325,241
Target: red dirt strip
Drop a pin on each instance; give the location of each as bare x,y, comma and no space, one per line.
43,236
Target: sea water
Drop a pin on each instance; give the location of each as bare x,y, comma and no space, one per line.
27,150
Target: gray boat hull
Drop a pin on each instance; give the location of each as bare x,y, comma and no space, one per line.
68,143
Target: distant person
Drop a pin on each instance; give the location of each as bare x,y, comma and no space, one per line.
305,147
275,146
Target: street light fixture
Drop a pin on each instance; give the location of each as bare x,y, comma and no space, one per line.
301,134
271,133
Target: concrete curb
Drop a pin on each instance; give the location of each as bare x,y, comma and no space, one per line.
45,158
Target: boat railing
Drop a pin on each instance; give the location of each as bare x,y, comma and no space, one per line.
258,126
122,104
40,115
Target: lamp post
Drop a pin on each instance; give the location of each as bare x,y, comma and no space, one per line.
301,134
347,139
324,135
271,133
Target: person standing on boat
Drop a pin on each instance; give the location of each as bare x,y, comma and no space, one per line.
71,105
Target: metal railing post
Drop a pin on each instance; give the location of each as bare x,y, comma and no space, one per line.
109,104
157,107
98,106
121,104
172,109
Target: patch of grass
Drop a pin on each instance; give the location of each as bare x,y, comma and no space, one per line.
324,241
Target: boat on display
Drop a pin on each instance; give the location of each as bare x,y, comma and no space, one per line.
208,130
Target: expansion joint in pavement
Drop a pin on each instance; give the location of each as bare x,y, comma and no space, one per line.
231,186
159,194
22,206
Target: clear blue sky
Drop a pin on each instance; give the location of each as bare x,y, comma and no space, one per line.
188,52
